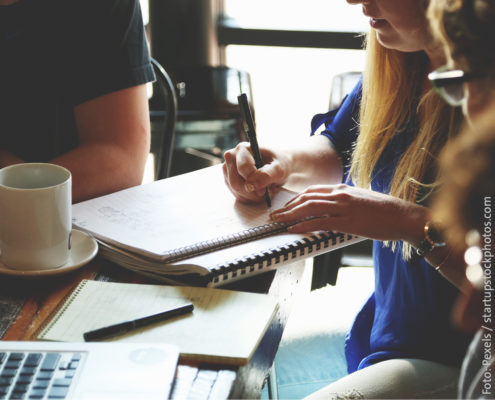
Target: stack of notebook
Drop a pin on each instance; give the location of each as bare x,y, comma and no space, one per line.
189,229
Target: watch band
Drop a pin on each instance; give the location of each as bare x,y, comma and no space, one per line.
433,238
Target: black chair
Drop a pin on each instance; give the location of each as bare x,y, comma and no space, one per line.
163,115
208,122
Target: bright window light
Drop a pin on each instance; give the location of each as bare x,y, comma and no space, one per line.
324,15
290,85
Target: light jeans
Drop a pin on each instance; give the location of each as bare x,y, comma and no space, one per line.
395,379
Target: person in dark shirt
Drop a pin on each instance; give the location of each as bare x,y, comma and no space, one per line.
72,90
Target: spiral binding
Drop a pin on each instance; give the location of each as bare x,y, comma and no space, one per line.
223,242
59,311
259,261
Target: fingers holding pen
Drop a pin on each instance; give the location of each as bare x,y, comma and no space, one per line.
247,182
234,180
244,160
241,175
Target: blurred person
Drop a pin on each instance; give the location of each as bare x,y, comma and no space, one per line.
72,90
465,203
465,29
465,206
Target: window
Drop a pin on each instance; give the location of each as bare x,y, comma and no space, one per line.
292,84
145,11
318,15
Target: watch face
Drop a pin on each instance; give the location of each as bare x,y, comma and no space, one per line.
435,235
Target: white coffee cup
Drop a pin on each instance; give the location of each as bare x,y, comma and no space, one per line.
35,216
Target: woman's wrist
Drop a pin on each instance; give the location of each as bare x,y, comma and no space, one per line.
411,223
433,238
440,265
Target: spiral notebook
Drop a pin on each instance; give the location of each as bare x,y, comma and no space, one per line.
225,327
190,229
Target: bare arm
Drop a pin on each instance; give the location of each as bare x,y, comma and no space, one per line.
315,161
370,214
114,141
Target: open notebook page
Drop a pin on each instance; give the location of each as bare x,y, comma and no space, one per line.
225,325
173,213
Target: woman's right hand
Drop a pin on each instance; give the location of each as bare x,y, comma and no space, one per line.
248,183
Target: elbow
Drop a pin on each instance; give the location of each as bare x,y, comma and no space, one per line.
137,155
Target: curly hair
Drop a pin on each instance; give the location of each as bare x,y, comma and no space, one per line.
468,180
466,28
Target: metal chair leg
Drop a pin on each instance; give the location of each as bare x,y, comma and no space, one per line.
272,383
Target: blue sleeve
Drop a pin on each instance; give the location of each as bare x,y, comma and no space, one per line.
342,125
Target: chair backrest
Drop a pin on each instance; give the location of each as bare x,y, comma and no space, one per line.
163,115
342,84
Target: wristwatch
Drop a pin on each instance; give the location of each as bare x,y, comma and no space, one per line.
433,238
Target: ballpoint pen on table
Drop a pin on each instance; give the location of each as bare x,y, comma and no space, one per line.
128,326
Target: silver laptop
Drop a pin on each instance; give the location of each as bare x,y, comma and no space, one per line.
83,371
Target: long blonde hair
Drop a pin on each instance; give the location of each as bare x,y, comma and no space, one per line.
392,98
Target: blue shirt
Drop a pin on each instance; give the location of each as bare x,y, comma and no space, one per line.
409,313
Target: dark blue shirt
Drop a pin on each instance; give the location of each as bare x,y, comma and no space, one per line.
409,313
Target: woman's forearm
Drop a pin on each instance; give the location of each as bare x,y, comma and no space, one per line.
315,161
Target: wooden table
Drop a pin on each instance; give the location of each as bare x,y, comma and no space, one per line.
26,303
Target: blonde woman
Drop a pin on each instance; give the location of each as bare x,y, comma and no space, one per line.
373,178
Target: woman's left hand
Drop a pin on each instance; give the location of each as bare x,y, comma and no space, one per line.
354,210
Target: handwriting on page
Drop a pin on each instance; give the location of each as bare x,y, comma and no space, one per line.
163,216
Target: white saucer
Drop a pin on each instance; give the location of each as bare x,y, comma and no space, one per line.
84,249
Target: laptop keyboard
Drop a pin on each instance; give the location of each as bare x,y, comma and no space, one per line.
37,375
195,384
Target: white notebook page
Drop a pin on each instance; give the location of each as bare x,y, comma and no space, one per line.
172,213
224,325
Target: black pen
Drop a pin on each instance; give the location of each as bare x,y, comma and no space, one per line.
248,124
127,326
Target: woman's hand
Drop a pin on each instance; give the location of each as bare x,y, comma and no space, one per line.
248,183
354,210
